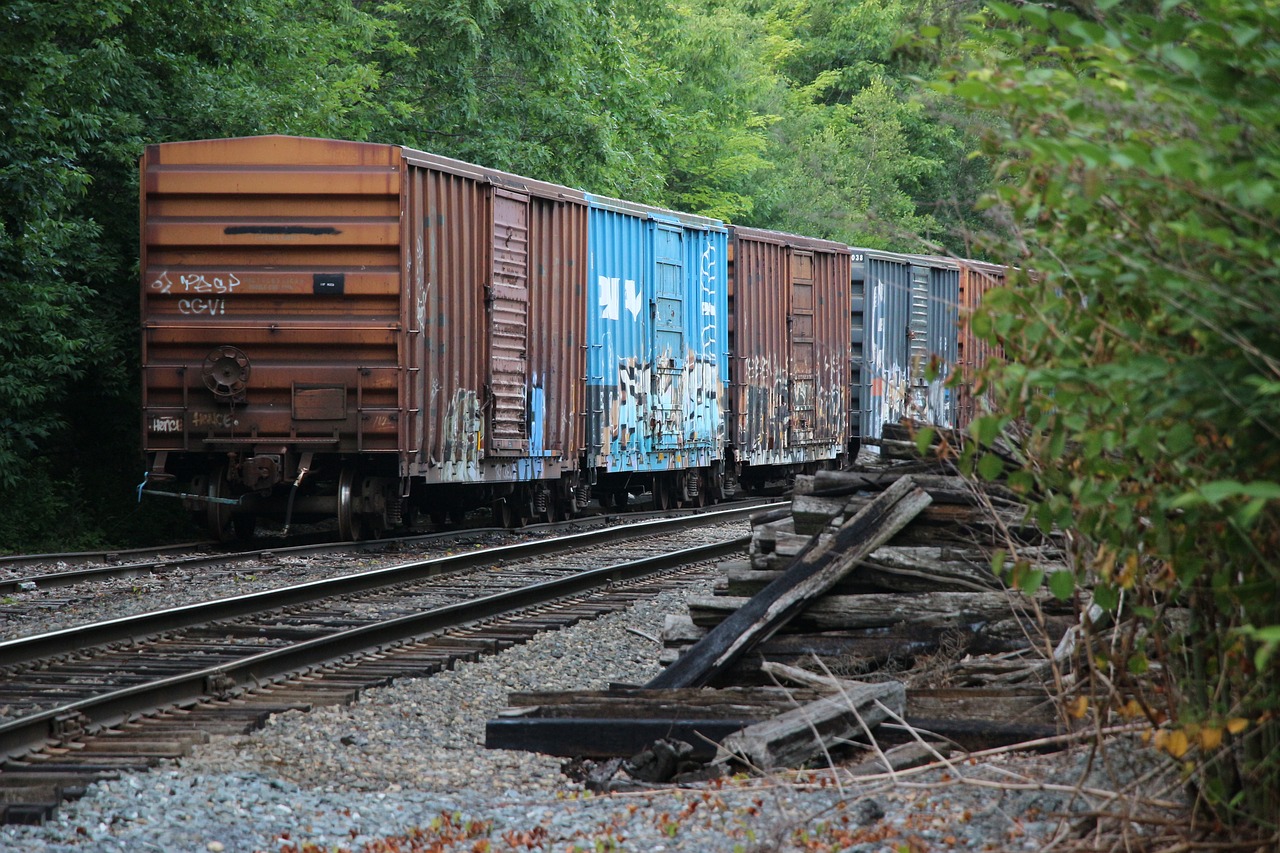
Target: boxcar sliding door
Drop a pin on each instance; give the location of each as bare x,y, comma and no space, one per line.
668,333
507,309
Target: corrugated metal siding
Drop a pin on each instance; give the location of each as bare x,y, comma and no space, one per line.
791,332
857,340
887,285
910,331
943,332
452,244
656,331
975,279
557,329
497,267
271,295
348,297
508,302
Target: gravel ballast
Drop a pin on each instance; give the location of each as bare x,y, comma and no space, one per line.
410,757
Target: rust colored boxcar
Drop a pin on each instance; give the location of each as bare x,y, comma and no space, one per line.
352,329
976,278
789,333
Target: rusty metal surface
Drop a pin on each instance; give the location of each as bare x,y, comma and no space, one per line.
338,297
790,336
657,361
976,278
271,295
496,273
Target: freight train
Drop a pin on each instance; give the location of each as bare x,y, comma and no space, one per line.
367,332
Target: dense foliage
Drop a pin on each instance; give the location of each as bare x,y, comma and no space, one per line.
1139,161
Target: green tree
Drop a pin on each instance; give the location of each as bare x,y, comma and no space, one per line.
860,154
703,63
548,89
1139,162
85,84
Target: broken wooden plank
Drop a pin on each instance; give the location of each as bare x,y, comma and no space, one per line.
888,569
593,737
811,514
621,722
812,574
943,488
750,702
810,732
969,734
837,612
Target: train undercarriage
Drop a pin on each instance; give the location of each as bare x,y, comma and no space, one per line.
229,494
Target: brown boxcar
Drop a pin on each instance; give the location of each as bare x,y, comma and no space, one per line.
789,339
352,329
972,353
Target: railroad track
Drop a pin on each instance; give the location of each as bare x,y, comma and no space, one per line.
24,573
91,701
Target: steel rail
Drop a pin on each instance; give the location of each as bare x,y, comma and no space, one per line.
112,567
108,555
113,708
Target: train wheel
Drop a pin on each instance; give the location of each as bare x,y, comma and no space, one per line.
350,524
504,514
699,487
661,492
218,515
714,483
552,511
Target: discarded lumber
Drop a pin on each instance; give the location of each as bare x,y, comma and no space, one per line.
943,488
812,730
857,651
621,723
948,518
901,757
812,574
607,737
888,569
624,722
838,612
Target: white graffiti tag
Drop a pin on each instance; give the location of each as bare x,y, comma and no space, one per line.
195,283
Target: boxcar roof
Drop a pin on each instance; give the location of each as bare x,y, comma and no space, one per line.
646,211
787,239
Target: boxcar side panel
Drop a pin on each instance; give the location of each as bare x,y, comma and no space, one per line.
656,290
910,337
934,400
972,353
498,276
791,343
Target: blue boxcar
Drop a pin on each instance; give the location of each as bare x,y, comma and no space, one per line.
657,352
909,329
